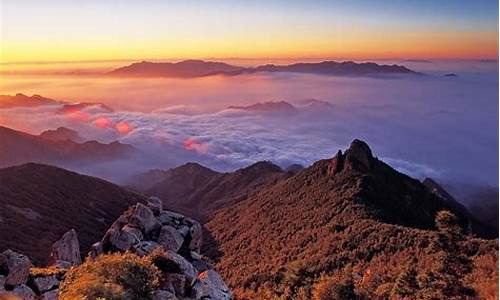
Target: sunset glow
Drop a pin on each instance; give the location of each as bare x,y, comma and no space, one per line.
103,30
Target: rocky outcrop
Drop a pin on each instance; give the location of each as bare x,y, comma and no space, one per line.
66,249
144,228
21,279
141,230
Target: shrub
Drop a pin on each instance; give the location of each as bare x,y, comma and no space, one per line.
335,288
116,276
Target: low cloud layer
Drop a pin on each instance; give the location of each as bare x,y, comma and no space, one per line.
438,127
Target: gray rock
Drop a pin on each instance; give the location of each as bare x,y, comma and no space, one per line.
62,264
164,295
66,249
155,204
95,250
47,283
184,267
167,217
50,295
2,282
178,282
170,238
211,286
123,239
143,218
17,265
196,236
201,265
145,247
24,292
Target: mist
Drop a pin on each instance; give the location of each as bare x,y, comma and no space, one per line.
434,126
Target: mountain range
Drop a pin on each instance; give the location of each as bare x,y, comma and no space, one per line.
200,68
347,223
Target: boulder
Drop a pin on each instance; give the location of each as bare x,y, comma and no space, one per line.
175,264
143,218
46,283
145,247
50,295
178,282
2,282
211,286
201,265
95,250
170,238
66,249
24,292
196,234
124,238
17,265
156,205
170,218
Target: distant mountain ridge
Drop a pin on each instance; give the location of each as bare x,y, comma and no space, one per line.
199,68
17,147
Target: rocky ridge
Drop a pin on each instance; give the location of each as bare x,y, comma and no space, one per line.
140,230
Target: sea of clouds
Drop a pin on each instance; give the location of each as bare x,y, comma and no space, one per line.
431,126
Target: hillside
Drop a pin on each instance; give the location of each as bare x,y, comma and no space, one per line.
18,147
197,191
351,217
21,100
39,203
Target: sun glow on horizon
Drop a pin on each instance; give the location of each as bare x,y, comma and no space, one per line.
124,30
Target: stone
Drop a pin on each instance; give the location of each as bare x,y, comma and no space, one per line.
167,217
156,205
47,283
176,264
201,265
164,295
95,250
336,164
62,264
24,292
17,265
178,282
170,238
145,247
196,234
143,218
123,239
2,282
66,249
211,286
359,156
50,295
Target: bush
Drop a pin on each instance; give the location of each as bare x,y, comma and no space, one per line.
116,276
335,288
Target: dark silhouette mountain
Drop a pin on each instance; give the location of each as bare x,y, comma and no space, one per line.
19,147
40,202
483,205
294,168
352,215
197,191
187,68
62,134
268,107
198,68
22,100
69,108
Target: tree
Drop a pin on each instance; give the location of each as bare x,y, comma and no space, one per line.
406,284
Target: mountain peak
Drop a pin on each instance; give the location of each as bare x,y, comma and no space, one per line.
358,157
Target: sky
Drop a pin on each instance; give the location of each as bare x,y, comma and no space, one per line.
70,30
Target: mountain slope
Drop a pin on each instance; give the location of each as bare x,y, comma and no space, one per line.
352,211
19,147
40,202
21,100
197,191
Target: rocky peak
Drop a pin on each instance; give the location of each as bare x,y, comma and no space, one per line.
358,157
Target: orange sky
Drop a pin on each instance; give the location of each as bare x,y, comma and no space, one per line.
101,30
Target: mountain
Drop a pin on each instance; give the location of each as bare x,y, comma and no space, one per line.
21,100
483,205
197,191
199,68
62,134
351,217
19,147
40,202
268,107
186,69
